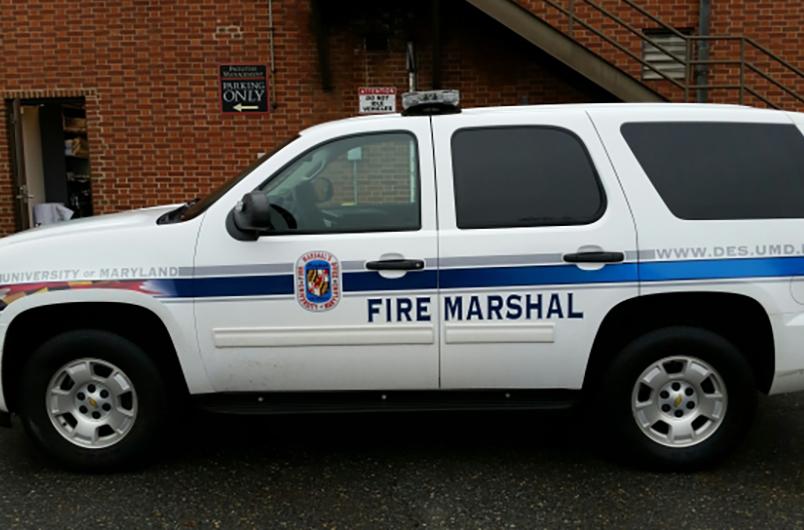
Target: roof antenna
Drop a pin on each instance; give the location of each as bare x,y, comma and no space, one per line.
410,60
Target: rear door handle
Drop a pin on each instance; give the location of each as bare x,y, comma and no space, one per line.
594,257
395,265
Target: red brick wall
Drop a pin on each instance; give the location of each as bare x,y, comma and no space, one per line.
681,14
149,71
6,186
776,24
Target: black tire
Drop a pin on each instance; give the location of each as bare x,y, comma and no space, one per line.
132,450
615,391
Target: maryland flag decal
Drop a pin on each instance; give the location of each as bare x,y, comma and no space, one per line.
318,281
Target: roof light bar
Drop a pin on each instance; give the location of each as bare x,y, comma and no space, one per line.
431,102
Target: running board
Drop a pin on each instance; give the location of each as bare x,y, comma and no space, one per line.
379,401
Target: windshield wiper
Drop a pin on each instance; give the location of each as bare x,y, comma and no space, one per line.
186,206
176,215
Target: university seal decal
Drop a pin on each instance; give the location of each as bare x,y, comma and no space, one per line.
318,281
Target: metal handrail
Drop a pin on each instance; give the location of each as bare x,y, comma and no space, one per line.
756,95
616,44
688,61
753,43
774,81
635,31
772,55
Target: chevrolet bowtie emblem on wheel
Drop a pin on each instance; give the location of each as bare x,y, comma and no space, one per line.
93,403
677,402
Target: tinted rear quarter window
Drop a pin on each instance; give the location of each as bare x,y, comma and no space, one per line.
723,170
523,176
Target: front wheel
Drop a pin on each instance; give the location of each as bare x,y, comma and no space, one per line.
92,400
680,397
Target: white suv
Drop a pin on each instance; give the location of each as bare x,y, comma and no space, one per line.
649,257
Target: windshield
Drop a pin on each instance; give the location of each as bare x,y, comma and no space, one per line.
195,208
306,168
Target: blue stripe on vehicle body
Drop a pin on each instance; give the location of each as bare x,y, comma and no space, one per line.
721,269
536,275
372,281
659,271
233,286
283,284
479,277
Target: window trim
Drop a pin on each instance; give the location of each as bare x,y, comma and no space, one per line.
601,210
304,153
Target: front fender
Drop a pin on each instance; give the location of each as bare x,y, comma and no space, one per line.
175,314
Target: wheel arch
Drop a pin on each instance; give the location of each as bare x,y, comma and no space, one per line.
35,325
737,317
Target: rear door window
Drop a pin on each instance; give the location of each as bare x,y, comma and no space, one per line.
523,176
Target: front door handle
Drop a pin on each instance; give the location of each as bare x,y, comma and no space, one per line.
594,257
395,265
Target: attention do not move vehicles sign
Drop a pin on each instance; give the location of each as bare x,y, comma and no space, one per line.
376,100
243,88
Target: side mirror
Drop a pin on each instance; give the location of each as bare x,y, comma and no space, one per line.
253,213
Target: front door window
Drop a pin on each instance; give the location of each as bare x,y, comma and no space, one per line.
357,184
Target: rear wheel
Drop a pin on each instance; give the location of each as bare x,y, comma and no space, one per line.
680,398
93,400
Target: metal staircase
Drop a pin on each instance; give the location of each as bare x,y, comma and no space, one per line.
605,44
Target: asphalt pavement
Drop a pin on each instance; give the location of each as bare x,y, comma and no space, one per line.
448,470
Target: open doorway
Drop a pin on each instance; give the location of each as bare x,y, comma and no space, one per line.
51,160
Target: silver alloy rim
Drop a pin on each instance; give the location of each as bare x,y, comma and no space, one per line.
91,403
679,401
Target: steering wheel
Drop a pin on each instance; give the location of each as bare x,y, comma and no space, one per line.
306,208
